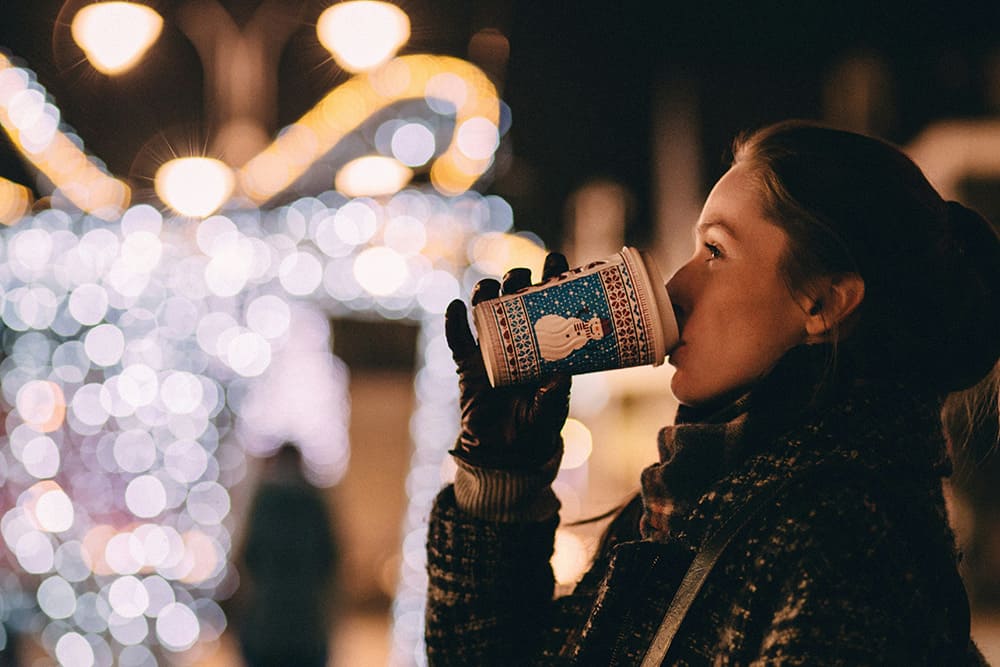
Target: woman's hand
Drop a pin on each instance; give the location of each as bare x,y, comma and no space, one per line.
505,427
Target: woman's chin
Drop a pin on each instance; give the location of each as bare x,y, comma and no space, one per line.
680,389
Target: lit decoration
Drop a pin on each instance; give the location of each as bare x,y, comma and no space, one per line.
131,382
496,253
194,186
115,35
33,124
450,86
372,175
144,354
15,201
362,34
413,144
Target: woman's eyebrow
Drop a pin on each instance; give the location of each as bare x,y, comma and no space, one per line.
704,226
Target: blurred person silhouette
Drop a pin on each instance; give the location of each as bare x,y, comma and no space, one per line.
9,645
833,303
289,562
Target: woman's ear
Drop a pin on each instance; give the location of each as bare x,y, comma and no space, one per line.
832,304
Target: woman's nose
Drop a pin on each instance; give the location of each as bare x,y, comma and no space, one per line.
679,289
678,286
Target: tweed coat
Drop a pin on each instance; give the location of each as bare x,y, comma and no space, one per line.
853,563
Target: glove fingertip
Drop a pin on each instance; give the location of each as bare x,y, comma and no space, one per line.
555,263
484,290
456,329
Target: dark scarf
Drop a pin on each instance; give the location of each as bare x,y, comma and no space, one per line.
798,419
799,415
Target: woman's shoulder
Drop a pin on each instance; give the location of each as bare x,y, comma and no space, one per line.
842,491
860,522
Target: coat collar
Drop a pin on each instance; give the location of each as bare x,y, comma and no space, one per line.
799,416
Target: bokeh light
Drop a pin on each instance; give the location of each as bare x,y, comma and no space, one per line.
450,86
145,353
194,186
117,432
413,144
15,201
35,129
570,557
579,444
115,35
372,175
362,34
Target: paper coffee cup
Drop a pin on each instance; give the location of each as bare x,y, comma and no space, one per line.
611,313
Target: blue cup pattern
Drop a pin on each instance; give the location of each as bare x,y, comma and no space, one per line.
595,317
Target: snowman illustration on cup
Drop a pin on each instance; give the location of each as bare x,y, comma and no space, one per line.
559,336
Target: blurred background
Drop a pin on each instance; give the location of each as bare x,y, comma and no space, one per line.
231,225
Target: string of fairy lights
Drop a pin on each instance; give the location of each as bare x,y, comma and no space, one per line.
131,351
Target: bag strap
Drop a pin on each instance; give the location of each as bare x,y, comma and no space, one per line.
700,567
717,542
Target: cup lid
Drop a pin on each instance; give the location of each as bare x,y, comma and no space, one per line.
668,333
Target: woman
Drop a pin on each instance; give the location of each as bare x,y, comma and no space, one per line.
832,302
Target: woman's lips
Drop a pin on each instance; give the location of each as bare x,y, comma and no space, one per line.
672,356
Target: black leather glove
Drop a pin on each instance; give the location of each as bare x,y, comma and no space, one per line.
506,427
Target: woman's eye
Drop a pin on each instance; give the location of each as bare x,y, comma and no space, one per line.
714,252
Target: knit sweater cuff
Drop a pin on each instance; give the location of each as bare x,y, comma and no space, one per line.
507,496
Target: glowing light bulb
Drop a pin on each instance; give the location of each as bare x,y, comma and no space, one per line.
115,35
363,34
194,186
381,271
372,175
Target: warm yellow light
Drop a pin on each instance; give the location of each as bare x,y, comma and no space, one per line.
363,34
372,175
579,443
194,186
494,253
115,35
27,119
15,201
469,92
570,557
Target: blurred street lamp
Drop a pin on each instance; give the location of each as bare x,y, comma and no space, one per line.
363,34
115,35
194,186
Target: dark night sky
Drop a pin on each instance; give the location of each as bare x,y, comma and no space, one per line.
578,81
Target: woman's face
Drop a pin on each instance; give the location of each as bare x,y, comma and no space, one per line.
736,315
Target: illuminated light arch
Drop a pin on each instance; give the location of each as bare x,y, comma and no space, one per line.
346,107
121,385
32,123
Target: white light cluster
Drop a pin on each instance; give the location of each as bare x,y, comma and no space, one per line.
133,355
